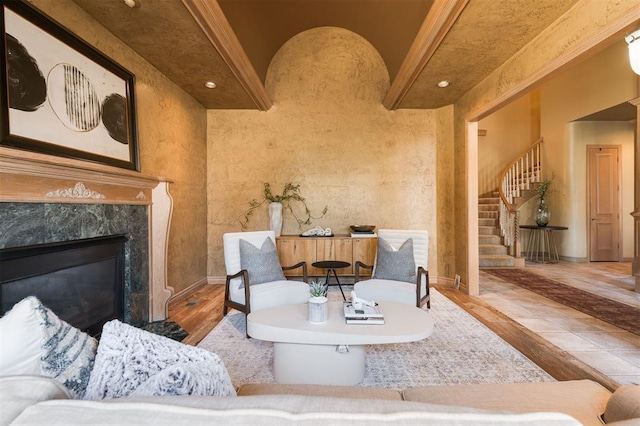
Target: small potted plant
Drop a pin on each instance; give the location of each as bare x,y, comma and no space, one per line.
290,194
318,302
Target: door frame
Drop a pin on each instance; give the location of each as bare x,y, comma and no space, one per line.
619,197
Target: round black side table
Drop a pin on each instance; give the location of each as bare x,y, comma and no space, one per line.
331,266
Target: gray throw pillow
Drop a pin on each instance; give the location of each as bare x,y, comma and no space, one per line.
262,263
395,265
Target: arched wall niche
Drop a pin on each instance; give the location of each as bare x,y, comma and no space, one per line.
327,65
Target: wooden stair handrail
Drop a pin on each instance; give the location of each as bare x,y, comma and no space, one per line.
517,176
507,169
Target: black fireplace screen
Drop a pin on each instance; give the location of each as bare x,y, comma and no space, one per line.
81,281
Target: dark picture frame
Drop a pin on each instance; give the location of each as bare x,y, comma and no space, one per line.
61,96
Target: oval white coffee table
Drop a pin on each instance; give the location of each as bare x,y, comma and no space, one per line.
331,353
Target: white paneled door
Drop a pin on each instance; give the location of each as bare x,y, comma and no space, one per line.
604,203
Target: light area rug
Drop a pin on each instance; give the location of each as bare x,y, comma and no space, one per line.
461,350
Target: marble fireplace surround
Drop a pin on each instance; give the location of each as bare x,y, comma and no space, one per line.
27,177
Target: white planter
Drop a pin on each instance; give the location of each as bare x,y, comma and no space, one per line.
318,309
275,218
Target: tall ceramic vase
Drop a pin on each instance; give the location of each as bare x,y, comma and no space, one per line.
275,218
542,214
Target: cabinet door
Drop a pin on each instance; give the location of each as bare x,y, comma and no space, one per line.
364,250
335,248
293,250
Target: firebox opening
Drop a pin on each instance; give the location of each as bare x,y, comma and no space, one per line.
81,281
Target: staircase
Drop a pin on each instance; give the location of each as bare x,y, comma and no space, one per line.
498,212
492,252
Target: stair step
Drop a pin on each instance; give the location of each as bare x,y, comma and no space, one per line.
489,200
493,260
488,214
492,252
488,230
489,239
491,194
488,207
492,249
488,222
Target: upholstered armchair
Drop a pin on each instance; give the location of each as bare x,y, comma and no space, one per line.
400,272
255,278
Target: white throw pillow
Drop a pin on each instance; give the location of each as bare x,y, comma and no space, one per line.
33,340
21,341
134,362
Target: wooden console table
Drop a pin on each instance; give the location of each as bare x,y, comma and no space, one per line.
541,246
295,248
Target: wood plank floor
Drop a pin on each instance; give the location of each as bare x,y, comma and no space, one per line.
200,312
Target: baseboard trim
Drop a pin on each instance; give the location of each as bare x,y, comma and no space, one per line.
519,262
586,260
216,280
449,282
184,294
574,259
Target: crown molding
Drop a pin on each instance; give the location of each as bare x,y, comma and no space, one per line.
441,17
216,27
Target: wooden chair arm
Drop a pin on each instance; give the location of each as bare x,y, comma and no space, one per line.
357,272
419,298
238,274
244,274
302,265
422,271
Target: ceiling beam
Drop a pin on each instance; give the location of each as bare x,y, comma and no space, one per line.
441,17
211,19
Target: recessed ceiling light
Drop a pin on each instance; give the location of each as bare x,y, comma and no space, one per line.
444,83
210,85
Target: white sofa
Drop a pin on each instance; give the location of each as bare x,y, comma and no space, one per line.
37,400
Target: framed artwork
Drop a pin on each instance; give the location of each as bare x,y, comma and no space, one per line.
61,96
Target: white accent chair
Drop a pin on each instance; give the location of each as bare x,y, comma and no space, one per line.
415,294
238,294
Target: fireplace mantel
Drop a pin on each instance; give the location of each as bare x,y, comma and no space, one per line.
28,177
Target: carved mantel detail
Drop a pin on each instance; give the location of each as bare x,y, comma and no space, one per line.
78,191
27,177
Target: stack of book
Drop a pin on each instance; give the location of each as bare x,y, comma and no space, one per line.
364,315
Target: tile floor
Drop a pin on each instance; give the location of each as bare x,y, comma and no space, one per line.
610,350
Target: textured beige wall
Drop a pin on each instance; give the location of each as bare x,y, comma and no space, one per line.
445,194
598,83
329,132
171,138
508,135
516,76
574,243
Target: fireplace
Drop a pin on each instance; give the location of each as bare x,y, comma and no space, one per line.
51,200
29,225
81,281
